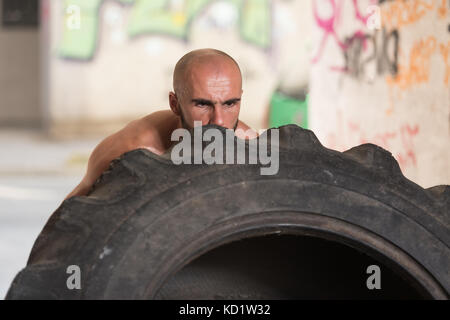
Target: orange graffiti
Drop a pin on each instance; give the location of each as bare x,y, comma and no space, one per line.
398,13
401,139
408,156
442,10
418,70
445,52
380,139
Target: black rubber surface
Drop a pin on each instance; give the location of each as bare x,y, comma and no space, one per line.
146,218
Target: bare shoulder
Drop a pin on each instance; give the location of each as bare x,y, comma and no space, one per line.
155,129
243,131
158,117
148,132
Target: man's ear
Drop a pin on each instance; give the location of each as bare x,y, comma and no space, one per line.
173,102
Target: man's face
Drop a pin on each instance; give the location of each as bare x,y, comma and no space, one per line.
212,95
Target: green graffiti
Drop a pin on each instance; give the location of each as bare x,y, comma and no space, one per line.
256,23
158,17
79,42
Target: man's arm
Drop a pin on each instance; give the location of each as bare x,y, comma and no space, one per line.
107,150
151,132
148,132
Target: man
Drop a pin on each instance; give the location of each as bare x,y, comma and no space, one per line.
207,87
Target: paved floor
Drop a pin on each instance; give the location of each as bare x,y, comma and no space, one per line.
35,175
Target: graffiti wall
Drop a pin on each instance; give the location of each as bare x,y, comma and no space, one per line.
111,61
380,74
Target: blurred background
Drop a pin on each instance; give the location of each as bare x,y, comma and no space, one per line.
75,71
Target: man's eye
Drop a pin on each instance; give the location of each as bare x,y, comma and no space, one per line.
230,104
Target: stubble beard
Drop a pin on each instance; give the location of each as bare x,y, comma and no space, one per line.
185,125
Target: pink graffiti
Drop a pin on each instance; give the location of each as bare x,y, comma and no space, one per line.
329,25
45,11
403,136
407,133
358,14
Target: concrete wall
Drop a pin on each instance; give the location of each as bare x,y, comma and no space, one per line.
19,76
386,84
118,65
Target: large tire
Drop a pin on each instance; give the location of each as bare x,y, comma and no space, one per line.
146,219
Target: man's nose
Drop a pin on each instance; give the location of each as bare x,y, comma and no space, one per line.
217,117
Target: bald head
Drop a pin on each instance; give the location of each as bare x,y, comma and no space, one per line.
207,88
209,59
